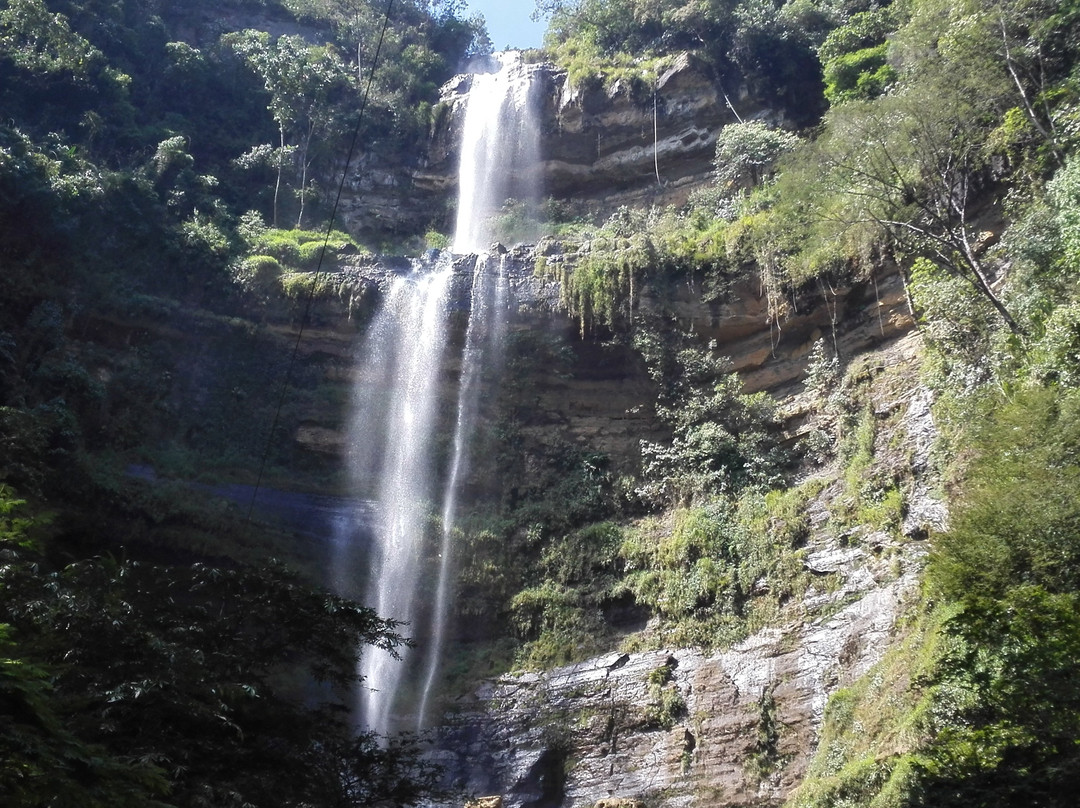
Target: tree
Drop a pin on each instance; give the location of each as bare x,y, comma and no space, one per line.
722,440
854,56
1008,682
306,85
911,165
746,152
198,684
42,42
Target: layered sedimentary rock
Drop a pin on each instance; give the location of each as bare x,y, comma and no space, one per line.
604,397
743,734
731,727
606,147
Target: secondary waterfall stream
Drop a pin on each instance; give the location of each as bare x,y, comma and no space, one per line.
401,391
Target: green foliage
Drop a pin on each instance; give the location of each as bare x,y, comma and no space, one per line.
1011,673
565,628
746,152
902,172
45,763
768,46
600,287
686,571
978,705
309,87
961,325
863,74
864,29
765,756
666,705
854,56
131,682
722,439
588,67
1017,522
515,223
1064,191
562,617
1055,358
434,240
714,574
40,41
299,249
866,753
260,274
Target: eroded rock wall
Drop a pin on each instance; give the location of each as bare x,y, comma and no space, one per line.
606,147
604,397
732,727
744,734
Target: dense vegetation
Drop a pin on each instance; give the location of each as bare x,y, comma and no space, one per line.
151,651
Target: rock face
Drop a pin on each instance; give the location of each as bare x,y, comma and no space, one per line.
736,727
609,147
604,397
671,727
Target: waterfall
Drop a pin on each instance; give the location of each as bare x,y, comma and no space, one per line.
398,398
395,406
499,149
483,337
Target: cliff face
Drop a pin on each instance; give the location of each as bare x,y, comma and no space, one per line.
610,147
678,726
672,727
604,397
737,726
742,731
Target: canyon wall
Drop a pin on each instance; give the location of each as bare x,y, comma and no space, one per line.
605,397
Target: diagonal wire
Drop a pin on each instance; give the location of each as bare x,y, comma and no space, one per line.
322,254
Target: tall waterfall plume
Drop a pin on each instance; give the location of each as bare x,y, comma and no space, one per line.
499,149
395,407
401,392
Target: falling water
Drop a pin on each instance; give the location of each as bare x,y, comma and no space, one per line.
499,149
483,337
398,386
395,416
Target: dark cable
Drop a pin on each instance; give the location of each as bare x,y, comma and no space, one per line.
322,254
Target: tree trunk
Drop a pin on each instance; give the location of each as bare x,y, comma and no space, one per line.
277,185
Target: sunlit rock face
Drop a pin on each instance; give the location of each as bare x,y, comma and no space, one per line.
737,726
746,729
627,144
612,146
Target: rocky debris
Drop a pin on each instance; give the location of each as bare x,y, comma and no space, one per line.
833,559
925,511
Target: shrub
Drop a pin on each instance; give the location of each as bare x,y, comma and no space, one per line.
259,274
1019,518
